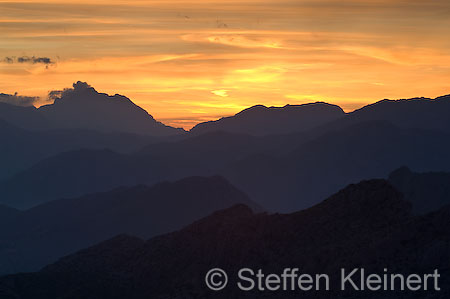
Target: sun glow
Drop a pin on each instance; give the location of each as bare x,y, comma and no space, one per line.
190,61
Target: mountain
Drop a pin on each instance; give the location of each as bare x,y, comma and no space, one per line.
80,118
7,213
84,108
70,174
420,113
432,186
23,117
74,173
33,238
323,165
367,225
21,148
261,120
282,173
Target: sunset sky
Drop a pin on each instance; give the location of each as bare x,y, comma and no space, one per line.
190,61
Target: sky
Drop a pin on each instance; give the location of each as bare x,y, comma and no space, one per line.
192,61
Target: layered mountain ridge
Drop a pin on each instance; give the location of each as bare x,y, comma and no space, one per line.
33,238
365,225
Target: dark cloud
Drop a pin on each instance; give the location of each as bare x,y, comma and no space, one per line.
78,86
28,59
15,99
55,94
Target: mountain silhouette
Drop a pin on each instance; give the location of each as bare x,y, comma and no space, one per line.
365,225
420,113
261,120
23,117
80,118
323,165
6,213
83,107
22,148
282,173
33,238
432,186
75,173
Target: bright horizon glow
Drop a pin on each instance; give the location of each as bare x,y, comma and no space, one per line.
191,61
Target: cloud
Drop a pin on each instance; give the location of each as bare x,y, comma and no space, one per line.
78,86
15,99
55,94
221,93
28,59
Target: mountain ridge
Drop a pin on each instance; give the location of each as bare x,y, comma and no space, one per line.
83,107
382,232
35,237
260,120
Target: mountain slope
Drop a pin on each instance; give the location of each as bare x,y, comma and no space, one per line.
365,225
432,186
79,172
36,237
423,113
260,120
83,107
23,117
283,172
325,164
312,169
7,213
21,148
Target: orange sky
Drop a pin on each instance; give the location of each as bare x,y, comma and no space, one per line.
190,61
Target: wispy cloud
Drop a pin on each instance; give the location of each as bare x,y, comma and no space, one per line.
29,59
194,59
221,93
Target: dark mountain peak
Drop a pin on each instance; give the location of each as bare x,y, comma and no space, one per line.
443,98
290,108
83,94
368,201
416,113
261,120
406,104
426,191
82,107
256,108
23,117
401,172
